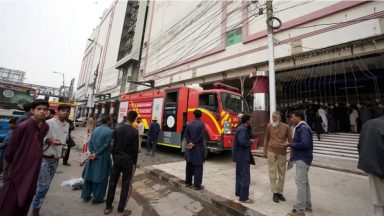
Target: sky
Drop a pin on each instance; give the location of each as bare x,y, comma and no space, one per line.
42,36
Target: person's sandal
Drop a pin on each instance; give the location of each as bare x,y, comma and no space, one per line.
108,211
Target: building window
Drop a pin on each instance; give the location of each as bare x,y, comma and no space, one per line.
234,36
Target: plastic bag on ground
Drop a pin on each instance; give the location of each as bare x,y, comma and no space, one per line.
74,183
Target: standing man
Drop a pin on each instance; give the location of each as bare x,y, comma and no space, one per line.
140,130
97,170
153,136
124,153
365,114
27,108
353,116
22,162
371,160
323,114
123,122
54,148
243,157
70,143
302,155
277,135
51,113
90,124
239,117
194,154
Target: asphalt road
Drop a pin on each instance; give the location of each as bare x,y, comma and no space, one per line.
150,196
163,154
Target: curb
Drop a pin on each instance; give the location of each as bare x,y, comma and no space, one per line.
339,169
229,206
323,166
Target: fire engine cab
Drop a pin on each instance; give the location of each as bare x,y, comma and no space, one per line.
174,108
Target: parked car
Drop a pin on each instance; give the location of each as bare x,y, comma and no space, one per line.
82,121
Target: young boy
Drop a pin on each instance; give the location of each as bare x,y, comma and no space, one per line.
54,148
22,162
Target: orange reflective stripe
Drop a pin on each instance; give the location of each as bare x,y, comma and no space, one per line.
145,122
209,114
222,114
225,118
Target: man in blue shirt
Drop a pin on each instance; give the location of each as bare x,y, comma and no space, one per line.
153,136
302,156
98,168
243,157
27,108
194,153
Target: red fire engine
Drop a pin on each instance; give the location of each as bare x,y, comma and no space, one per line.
174,107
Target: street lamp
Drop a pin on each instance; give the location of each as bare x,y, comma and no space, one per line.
92,98
63,82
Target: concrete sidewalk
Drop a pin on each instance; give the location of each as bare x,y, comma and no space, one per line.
327,161
333,192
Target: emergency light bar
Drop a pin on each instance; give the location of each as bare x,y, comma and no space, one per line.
220,85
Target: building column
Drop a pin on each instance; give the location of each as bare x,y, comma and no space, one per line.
86,111
260,114
102,108
97,108
113,104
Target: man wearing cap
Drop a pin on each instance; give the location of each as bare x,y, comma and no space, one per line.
277,135
140,129
153,136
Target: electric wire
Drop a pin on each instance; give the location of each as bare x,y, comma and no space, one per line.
353,73
159,51
208,43
182,22
192,48
294,6
333,23
172,48
346,85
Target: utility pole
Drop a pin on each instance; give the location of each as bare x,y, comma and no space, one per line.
91,100
271,57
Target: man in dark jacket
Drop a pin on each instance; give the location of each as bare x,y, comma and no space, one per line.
124,153
153,136
27,108
371,160
302,156
194,154
242,156
70,143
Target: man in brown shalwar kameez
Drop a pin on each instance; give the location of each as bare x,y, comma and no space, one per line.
22,162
